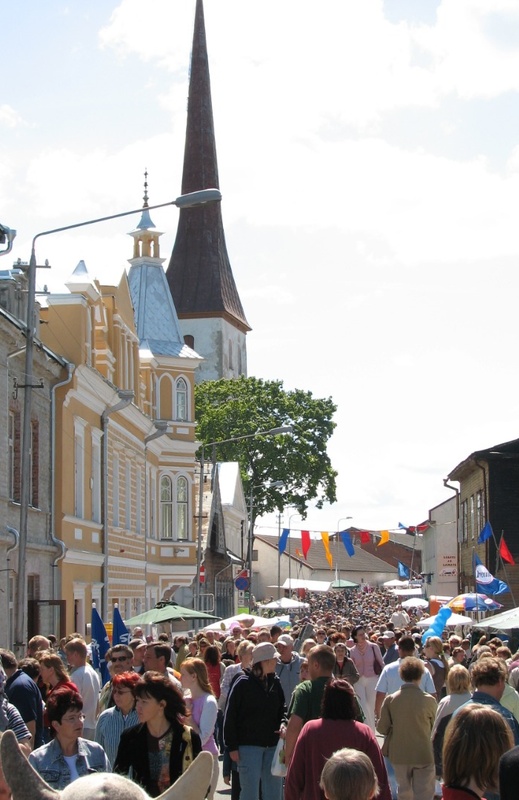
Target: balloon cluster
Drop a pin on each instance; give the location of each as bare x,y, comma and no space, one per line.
439,623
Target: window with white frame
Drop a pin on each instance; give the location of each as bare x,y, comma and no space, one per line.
115,490
96,475
153,505
166,507
128,496
79,468
138,500
182,509
181,400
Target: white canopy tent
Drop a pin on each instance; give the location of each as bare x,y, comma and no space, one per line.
311,586
452,622
285,603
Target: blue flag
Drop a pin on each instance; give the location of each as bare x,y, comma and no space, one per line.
283,540
348,544
120,633
486,533
485,582
403,571
100,644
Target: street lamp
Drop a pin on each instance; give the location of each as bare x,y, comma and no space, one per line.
337,570
273,485
270,432
291,517
184,201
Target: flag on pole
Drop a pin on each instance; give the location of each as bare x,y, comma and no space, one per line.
365,538
384,538
283,539
100,644
504,552
325,536
120,633
485,582
403,571
306,542
348,544
486,533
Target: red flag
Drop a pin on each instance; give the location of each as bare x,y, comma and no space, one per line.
364,537
305,542
504,552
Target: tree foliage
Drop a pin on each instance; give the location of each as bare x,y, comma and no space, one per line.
240,407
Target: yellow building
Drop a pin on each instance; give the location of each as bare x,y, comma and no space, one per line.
125,494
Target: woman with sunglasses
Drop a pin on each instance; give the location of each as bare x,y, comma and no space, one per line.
67,756
112,722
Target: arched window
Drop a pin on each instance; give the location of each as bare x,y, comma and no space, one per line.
182,509
166,508
181,400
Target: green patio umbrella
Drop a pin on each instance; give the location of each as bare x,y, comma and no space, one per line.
166,612
343,584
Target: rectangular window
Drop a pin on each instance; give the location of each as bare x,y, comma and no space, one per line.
182,506
96,477
11,455
138,500
115,491
472,518
79,451
35,464
128,497
464,522
153,507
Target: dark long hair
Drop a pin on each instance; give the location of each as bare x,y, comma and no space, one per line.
338,700
160,687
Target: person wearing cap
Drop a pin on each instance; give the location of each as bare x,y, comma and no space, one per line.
138,647
253,716
389,642
288,666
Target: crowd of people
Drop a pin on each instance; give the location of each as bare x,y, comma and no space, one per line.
346,702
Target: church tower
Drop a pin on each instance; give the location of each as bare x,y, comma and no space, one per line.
199,274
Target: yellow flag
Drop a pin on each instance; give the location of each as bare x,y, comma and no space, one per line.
384,537
325,536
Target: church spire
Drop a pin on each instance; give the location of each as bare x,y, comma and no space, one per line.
199,272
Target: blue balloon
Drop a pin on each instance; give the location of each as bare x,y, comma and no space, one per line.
439,623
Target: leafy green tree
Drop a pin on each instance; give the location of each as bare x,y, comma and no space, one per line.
240,407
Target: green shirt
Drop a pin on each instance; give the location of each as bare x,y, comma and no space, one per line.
307,698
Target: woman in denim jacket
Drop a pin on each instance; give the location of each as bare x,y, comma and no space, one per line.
67,756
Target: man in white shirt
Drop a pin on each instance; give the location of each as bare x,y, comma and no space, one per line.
87,681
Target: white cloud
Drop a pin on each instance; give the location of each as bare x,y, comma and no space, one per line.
9,117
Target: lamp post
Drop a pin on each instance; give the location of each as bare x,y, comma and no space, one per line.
214,445
273,485
338,576
184,201
291,517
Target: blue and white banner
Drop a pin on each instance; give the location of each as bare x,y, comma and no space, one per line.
485,581
100,644
120,634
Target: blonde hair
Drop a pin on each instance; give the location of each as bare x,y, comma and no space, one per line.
475,739
53,661
436,643
349,775
458,680
195,666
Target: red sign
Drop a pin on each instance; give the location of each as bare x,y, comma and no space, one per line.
202,573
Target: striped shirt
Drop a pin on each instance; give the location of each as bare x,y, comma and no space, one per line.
110,725
15,722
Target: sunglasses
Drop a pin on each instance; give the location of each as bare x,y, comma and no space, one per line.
115,659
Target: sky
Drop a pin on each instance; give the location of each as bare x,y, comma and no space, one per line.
369,165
